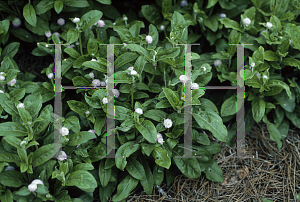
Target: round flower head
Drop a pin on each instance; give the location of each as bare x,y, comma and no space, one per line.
269,25
247,22
50,75
194,86
162,27
168,123
48,34
149,39
183,78
183,3
62,156
87,112
96,82
160,141
265,76
133,72
91,131
32,187
91,75
125,18
252,64
217,63
61,21
159,136
116,92
290,41
9,168
12,82
139,111
1,72
104,100
76,20
102,83
222,15
130,68
57,34
114,23
37,181
94,60
23,142
16,23
2,78
1,91
64,131
20,105
101,23
125,44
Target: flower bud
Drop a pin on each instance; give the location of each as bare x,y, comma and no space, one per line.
139,111
91,75
222,15
149,39
104,101
2,78
183,78
20,105
50,75
183,3
269,25
217,63
76,20
247,22
61,21
48,34
101,23
62,156
16,23
64,131
168,123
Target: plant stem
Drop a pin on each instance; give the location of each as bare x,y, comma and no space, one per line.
229,63
80,44
152,77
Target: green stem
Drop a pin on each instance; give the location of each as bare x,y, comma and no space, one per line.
229,63
165,78
152,77
80,44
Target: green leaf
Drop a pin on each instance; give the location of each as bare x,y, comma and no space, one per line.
188,166
148,182
104,174
12,129
15,142
78,107
8,105
4,26
124,59
80,81
35,106
90,18
158,174
124,188
95,65
92,46
291,62
258,108
22,34
139,49
211,121
10,50
121,162
7,196
108,2
93,102
81,179
24,191
148,130
81,137
44,6
135,169
163,104
294,33
152,14
29,14
8,157
168,53
106,192
211,3
274,134
234,38
229,107
72,52
11,178
212,22
172,98
156,115
271,56
161,157
214,172
58,6
203,139
83,166
77,4
166,9
55,39
230,24
286,104
72,35
272,83
44,154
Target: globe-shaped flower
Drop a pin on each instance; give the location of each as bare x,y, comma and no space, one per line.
87,112
183,3
101,23
2,78
133,72
265,76
61,21
32,187
159,139
269,25
162,27
91,75
37,181
1,91
50,75
139,111
12,82
183,78
96,82
168,123
247,22
149,39
62,156
116,93
64,131
104,100
16,23
130,68
20,105
76,20
252,64
222,15
48,34
217,63
23,142
194,86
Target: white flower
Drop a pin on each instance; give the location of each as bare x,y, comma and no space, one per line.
50,75
9,168
160,141
32,187
222,15
61,21
37,181
116,92
125,44
258,76
101,23
269,25
114,23
102,83
139,111
48,34
125,18
168,123
87,112
23,142
149,39
280,37
94,60
77,44
1,72
67,139
247,22
2,78
183,3
12,82
64,131
76,20
20,105
130,68
1,91
96,82
217,63
57,34
252,64
183,78
290,41
159,136
265,76
91,131
62,156
104,100
16,23
91,75
162,27
194,86
133,72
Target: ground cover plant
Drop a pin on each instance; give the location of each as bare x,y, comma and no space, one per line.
149,90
